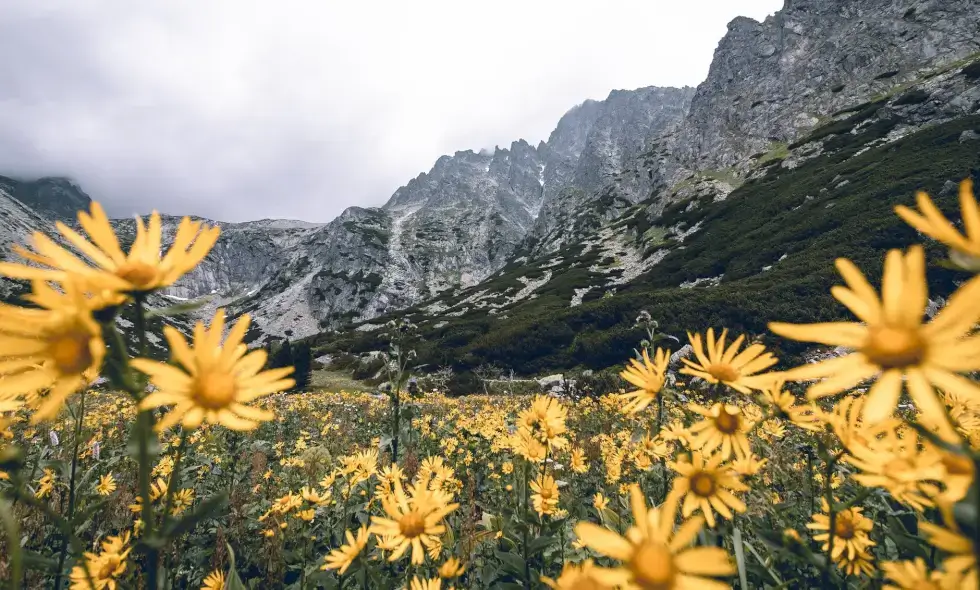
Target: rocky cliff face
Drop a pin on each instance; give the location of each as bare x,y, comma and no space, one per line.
773,81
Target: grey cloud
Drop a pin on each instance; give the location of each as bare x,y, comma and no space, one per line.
236,110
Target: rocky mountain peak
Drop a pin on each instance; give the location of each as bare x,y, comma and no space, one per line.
54,197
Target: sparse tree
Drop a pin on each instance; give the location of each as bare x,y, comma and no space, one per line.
485,373
303,362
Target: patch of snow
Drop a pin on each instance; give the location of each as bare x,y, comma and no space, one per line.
706,281
577,297
440,325
369,327
175,298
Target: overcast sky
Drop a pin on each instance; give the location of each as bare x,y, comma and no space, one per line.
248,109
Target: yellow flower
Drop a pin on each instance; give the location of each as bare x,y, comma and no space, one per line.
57,347
306,515
545,421
707,485
716,364
749,465
46,484
961,561
851,530
423,584
574,576
105,568
653,554
107,485
217,379
600,502
892,345
143,269
451,568
723,427
901,466
911,575
577,461
545,496
413,521
214,581
964,249
648,377
343,557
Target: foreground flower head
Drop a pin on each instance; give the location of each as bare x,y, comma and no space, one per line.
413,520
851,530
545,496
57,348
648,377
142,269
964,248
707,485
214,581
718,364
961,561
653,554
216,381
892,345
105,568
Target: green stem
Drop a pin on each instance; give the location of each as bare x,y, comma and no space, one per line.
527,510
174,476
828,494
144,431
13,544
395,427
63,554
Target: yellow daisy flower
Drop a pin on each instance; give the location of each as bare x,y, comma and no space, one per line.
892,345
911,575
58,348
107,485
214,581
851,530
964,248
545,496
413,521
342,558
648,377
576,576
961,561
708,485
723,426
653,554
143,269
451,568
217,379
717,364
425,584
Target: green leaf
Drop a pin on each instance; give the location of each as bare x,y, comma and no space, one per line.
539,544
233,582
205,510
512,563
178,309
740,558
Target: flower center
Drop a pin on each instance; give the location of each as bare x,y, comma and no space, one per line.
653,567
139,274
727,423
703,484
957,465
215,390
71,353
894,348
411,525
723,372
844,527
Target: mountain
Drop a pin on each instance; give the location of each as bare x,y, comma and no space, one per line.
540,256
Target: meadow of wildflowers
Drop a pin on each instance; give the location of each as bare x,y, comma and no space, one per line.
727,470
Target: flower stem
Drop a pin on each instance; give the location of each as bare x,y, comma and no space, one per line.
175,475
63,554
13,544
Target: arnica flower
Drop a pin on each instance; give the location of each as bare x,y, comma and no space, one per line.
652,553
708,485
141,270
718,364
892,344
964,249
576,576
105,568
545,421
913,575
545,496
216,381
851,530
451,568
723,426
961,560
418,583
214,581
900,465
648,377
57,348
413,521
107,485
577,461
342,558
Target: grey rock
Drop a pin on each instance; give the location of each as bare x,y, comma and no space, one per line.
969,135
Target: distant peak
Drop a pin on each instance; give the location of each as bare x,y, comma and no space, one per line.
743,23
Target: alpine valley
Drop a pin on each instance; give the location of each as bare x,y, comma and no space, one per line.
702,206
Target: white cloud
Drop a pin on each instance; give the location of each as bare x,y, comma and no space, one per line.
242,109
